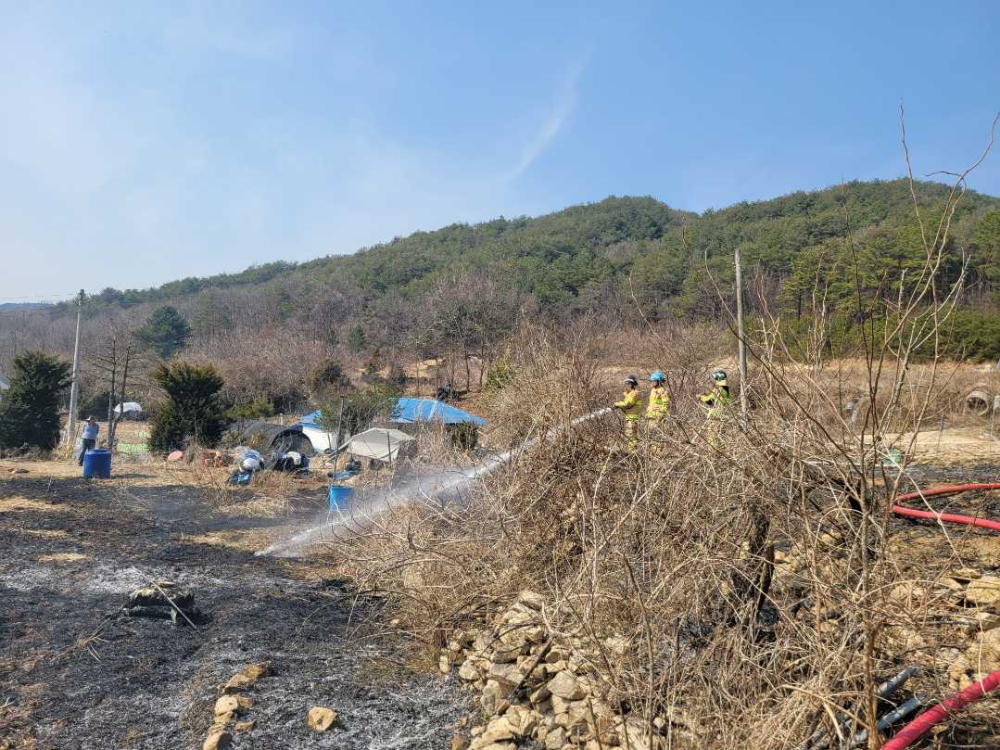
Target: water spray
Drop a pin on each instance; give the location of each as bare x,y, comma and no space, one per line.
441,487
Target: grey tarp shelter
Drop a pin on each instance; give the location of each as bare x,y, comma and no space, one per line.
270,438
381,444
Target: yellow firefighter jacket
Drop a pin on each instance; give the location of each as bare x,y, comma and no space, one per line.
631,404
716,401
659,403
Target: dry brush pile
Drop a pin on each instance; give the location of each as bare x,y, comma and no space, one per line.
690,594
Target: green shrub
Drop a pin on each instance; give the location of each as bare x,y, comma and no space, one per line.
499,376
361,408
464,437
259,408
371,374
327,374
192,411
29,411
397,377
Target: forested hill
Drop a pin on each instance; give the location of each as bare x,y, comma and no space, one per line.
563,251
609,255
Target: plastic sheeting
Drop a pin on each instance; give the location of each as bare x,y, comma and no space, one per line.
382,444
413,410
407,411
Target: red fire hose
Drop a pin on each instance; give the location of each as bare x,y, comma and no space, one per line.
923,723
928,719
948,489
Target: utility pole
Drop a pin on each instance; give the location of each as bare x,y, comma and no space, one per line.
73,388
741,334
340,422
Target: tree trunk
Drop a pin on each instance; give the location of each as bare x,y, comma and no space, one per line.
111,393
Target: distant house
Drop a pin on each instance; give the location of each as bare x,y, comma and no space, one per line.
4,384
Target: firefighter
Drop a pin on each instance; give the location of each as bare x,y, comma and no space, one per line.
659,399
716,403
631,406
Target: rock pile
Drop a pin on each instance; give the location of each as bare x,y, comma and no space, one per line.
536,688
981,595
977,597
978,660
233,704
533,687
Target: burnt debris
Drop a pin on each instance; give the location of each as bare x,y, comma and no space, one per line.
163,600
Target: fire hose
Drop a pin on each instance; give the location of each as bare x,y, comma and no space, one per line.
948,489
942,711
933,716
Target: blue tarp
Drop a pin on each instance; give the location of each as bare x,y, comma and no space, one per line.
411,410
312,419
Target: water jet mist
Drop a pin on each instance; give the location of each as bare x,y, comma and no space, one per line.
439,486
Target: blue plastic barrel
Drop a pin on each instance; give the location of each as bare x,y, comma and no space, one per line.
97,464
339,497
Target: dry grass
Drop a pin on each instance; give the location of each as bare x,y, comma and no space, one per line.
46,534
271,494
61,557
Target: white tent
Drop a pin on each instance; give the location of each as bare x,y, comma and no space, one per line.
382,444
129,407
321,439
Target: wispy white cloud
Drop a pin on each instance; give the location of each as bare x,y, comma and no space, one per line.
560,111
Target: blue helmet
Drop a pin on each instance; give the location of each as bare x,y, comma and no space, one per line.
657,376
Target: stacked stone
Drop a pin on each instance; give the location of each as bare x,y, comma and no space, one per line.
533,687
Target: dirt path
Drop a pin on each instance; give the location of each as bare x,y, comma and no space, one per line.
958,445
75,675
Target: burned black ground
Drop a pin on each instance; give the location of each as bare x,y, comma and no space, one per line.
74,674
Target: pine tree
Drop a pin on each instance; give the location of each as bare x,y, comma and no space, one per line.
327,375
192,411
165,331
29,411
357,340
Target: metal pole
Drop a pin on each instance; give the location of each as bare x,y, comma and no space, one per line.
73,388
740,334
340,421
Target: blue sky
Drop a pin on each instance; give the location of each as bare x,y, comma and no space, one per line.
144,142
